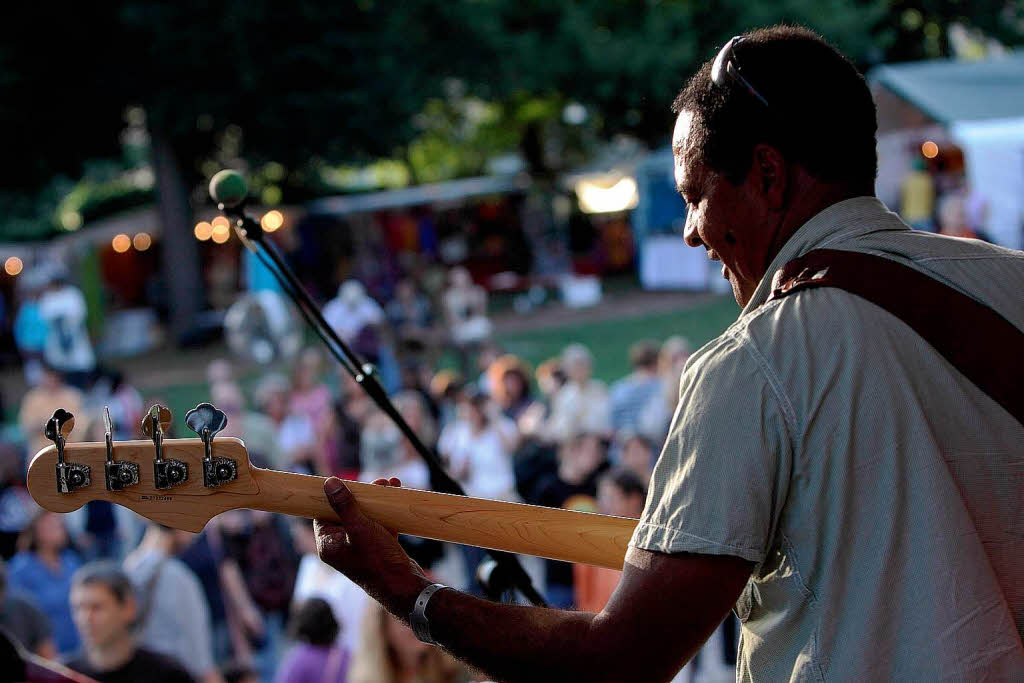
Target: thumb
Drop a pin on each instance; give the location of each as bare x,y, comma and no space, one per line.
340,498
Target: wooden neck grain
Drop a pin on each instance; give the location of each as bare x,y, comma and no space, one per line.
528,529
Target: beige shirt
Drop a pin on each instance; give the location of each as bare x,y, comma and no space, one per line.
878,491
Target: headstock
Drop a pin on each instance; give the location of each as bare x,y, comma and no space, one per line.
155,478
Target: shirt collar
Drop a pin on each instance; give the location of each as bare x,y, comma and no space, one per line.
848,218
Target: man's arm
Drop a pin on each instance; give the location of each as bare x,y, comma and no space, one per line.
664,608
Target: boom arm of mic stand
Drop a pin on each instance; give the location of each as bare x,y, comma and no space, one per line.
365,377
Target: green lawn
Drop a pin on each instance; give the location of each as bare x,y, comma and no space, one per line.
609,340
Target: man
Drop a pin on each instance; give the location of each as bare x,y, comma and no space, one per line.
24,621
826,472
629,396
104,608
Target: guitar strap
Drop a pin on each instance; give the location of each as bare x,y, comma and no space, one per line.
980,343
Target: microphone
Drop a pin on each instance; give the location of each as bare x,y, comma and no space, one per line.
229,188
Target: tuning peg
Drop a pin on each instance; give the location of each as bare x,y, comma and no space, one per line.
166,473
206,421
70,476
118,475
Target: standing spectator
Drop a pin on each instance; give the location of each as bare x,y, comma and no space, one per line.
465,312
317,656
655,418
621,493
581,405
42,570
39,403
30,328
509,380
478,459
631,394
23,620
384,453
391,653
174,618
295,435
411,317
105,609
257,430
357,318
310,396
68,348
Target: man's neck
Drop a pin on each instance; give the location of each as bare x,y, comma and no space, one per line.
112,655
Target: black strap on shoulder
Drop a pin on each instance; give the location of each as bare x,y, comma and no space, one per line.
983,345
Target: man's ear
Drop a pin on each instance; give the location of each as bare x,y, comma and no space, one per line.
770,173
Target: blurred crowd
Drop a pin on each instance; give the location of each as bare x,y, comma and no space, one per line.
113,594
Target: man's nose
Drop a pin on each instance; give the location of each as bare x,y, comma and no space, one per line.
690,235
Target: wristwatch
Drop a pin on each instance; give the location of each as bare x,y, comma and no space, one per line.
418,617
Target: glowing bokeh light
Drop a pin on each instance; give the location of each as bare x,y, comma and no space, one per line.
272,220
930,149
220,237
203,231
220,221
142,241
13,266
121,243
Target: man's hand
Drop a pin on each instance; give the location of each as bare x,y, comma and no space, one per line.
368,553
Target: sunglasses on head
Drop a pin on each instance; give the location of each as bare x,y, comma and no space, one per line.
726,67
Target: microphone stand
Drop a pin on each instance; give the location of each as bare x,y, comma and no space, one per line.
251,233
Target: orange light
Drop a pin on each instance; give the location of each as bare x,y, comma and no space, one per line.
121,243
930,149
221,234
203,231
272,220
13,266
220,221
142,241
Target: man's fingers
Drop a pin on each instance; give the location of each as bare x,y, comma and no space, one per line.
339,497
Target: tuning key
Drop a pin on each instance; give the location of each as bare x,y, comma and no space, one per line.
167,473
119,475
70,475
206,421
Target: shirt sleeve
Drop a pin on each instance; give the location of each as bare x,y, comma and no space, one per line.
723,474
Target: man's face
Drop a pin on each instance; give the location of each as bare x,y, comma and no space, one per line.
728,220
101,619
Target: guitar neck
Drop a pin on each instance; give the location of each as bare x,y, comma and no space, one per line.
528,529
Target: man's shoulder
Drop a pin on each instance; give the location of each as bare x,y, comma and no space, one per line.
169,668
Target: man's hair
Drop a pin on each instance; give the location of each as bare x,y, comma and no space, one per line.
626,481
313,622
820,111
644,354
108,574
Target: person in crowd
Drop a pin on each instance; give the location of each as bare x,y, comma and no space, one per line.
42,570
39,403
621,493
444,389
465,312
256,429
917,196
263,550
509,381
23,620
30,328
573,485
295,434
236,671
636,453
16,505
385,453
173,615
105,609
68,348
655,418
203,554
316,580
317,656
357,319
412,318
629,396
823,474
220,370
309,395
581,405
390,653
478,458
